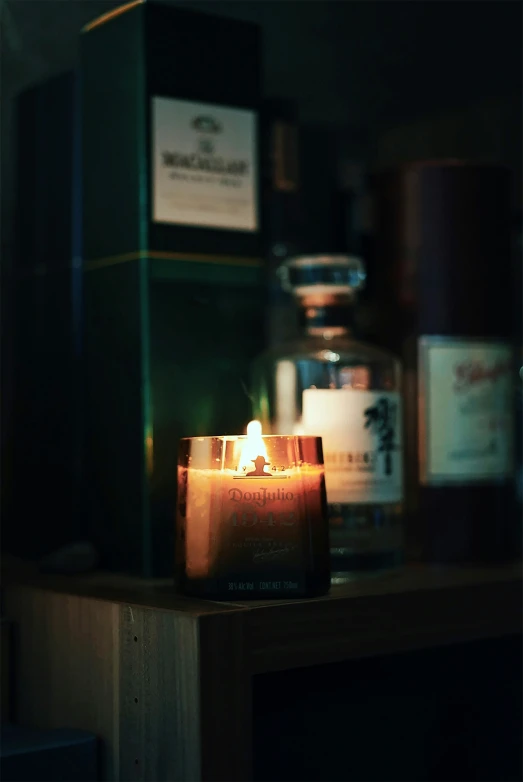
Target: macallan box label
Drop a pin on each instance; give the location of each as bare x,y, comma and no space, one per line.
204,165
170,139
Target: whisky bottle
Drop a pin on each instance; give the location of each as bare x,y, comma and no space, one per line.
328,384
443,232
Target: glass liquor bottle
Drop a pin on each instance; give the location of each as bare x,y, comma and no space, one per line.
328,384
439,225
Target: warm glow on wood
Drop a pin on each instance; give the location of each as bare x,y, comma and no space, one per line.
110,15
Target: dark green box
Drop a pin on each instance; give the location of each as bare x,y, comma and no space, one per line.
48,508
174,303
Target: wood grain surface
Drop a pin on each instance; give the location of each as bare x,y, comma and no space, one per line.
66,652
226,690
166,682
113,587
336,630
159,697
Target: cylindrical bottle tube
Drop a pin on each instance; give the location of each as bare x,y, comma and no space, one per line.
443,244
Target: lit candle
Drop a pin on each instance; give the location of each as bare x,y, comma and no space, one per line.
252,518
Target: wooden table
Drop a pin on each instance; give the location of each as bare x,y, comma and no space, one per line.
166,681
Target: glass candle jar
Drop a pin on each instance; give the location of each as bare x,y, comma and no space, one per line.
252,517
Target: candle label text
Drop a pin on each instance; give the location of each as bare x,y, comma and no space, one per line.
264,586
261,497
261,524
249,518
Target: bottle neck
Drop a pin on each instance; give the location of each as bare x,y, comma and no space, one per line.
326,316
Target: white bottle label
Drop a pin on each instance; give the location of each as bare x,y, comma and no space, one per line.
362,443
204,165
466,417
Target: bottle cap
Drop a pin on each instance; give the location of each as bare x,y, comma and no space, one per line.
326,274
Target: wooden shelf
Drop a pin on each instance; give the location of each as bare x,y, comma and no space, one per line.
156,674
413,608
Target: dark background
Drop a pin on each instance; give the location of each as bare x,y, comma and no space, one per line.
388,81
381,82
447,714
394,80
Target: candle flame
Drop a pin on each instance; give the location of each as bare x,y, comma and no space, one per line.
254,429
253,447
